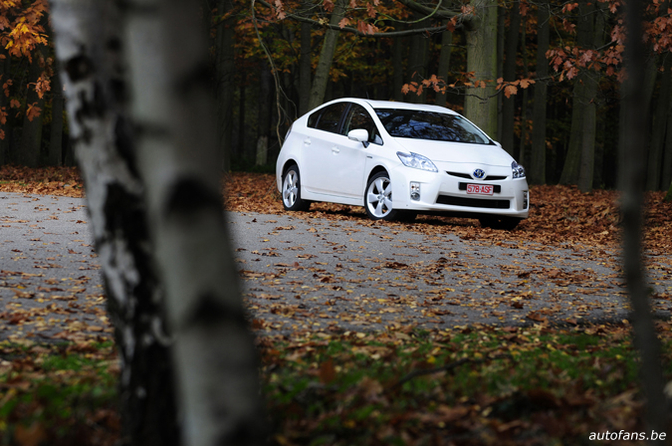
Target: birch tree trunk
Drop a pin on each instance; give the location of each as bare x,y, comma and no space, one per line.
632,182
88,48
215,360
481,103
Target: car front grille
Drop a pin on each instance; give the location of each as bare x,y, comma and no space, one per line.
460,175
469,177
473,202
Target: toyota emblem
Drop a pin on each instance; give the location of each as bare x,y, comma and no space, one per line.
479,173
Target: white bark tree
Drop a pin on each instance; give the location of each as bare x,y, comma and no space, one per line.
173,113
154,198
88,48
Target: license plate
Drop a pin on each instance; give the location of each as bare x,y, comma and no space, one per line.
480,189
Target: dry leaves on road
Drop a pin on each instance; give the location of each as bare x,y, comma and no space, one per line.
559,215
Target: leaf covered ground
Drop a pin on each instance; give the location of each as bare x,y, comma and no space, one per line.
559,215
471,384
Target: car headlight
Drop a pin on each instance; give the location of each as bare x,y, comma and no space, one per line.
518,170
417,161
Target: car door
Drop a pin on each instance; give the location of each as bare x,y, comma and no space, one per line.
349,160
322,136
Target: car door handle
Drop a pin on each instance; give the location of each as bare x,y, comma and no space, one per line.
335,150
306,141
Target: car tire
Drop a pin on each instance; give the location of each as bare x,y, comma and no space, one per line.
503,223
406,216
378,198
291,191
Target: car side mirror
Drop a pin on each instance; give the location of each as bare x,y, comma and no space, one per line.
361,135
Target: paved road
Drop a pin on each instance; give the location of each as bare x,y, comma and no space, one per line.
318,274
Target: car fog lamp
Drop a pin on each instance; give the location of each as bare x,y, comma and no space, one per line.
415,191
525,198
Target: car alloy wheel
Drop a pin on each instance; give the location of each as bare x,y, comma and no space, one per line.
291,191
378,198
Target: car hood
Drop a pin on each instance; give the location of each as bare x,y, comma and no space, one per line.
456,152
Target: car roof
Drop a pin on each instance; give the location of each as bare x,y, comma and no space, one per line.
377,104
406,106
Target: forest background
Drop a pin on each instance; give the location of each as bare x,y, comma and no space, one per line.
122,220
543,78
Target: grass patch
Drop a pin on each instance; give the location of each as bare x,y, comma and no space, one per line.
472,386
469,386
58,394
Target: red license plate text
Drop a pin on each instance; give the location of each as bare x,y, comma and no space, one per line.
480,189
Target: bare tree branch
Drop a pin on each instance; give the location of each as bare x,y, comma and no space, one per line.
355,31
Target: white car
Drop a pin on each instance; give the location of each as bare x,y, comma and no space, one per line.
398,160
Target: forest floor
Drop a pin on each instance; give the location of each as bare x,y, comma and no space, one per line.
532,382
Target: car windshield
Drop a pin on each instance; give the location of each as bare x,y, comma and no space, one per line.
435,126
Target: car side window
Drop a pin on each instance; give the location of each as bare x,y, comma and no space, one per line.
328,118
359,118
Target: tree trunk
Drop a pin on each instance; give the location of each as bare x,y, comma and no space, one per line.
87,40
481,103
667,155
660,118
511,53
444,64
31,135
242,129
525,105
633,149
5,67
587,167
583,108
70,160
215,360
398,46
305,68
226,70
587,164
56,133
537,172
417,61
264,103
319,87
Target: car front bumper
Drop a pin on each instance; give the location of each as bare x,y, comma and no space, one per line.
423,191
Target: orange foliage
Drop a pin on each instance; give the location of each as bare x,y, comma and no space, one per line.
22,32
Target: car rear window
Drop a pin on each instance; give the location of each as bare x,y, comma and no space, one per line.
435,126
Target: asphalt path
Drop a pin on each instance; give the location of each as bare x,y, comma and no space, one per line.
314,274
